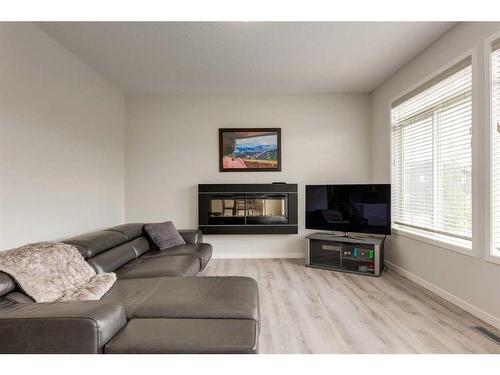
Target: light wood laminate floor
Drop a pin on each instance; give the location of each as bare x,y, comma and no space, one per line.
307,310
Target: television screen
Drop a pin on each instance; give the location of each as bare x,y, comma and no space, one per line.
349,208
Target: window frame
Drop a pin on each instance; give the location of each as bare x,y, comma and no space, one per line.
488,156
468,248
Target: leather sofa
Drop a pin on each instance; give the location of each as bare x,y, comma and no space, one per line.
157,304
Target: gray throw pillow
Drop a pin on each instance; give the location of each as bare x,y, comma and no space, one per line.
164,235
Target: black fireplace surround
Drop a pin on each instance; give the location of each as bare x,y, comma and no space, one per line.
247,208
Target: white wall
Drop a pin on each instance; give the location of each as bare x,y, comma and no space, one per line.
61,141
469,281
172,146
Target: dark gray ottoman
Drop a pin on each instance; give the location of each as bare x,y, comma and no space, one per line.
183,336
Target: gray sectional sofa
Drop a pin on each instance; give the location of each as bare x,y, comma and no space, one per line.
157,305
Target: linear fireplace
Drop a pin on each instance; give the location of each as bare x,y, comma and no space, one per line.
247,208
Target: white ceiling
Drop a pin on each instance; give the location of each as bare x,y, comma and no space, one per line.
221,57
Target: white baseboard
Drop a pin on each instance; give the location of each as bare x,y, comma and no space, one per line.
259,255
471,309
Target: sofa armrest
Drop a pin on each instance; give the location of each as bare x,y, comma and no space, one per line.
192,236
59,327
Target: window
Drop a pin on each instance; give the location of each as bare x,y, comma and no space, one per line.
495,147
432,157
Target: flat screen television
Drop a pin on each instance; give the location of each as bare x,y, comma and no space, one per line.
349,208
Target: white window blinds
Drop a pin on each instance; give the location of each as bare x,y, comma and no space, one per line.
495,145
432,155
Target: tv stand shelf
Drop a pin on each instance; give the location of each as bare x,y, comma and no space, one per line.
364,256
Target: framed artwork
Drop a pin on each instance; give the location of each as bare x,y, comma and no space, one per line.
250,150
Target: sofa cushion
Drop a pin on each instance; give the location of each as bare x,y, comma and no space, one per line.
144,267
59,327
164,235
192,236
140,245
19,297
131,230
111,259
230,297
131,292
91,244
7,283
202,250
183,336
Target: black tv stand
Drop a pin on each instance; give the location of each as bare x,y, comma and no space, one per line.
364,256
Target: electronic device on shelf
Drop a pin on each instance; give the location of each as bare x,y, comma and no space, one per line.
360,208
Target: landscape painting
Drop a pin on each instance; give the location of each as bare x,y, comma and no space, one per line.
250,150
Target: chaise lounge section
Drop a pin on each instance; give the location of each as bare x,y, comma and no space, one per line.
157,305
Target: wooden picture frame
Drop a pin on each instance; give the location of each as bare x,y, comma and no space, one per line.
250,149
